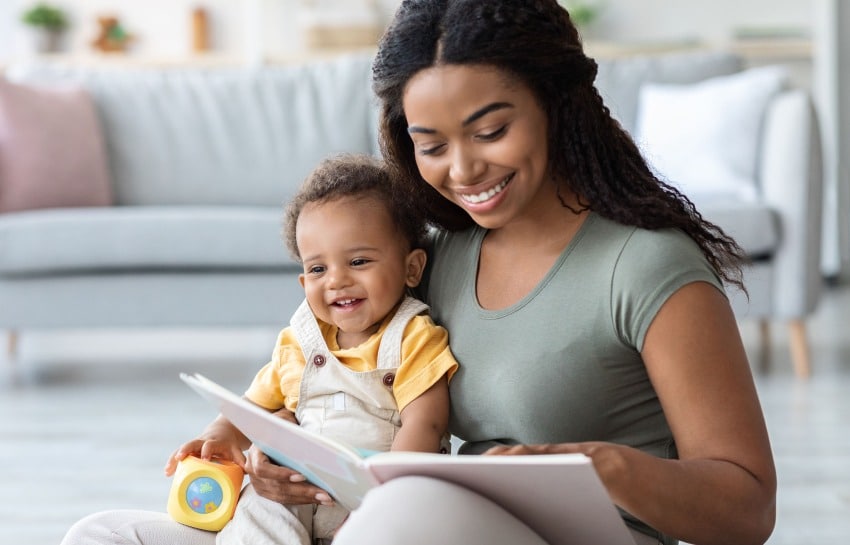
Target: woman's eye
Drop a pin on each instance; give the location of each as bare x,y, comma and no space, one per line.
433,150
489,136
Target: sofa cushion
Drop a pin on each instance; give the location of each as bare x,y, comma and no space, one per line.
236,135
619,79
754,226
704,137
51,149
142,239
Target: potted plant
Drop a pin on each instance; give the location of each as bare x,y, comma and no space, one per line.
583,13
48,22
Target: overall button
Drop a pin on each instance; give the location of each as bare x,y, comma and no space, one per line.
318,360
388,379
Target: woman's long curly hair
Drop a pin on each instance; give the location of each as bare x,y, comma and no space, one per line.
535,42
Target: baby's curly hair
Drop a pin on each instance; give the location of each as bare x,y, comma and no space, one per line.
357,176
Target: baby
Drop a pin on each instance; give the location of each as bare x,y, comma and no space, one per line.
361,361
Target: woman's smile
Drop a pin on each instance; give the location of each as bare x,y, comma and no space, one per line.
487,195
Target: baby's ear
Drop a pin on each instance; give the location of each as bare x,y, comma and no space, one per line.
415,267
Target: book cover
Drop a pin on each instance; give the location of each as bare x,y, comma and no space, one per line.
560,496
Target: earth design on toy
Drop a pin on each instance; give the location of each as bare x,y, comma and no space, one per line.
204,495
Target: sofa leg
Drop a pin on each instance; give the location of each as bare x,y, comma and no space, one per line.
12,346
10,375
799,348
764,345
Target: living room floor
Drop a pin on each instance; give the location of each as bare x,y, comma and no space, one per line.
96,415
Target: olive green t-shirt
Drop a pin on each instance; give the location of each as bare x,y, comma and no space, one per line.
563,364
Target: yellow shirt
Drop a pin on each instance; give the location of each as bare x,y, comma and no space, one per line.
425,358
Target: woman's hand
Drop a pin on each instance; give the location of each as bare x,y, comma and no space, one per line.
609,459
282,484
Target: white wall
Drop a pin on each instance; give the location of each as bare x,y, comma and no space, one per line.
162,26
706,20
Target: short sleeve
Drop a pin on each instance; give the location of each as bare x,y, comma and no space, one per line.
651,267
426,357
278,383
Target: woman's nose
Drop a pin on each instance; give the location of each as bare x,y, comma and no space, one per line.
465,167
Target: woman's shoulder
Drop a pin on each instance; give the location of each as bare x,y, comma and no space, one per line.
632,242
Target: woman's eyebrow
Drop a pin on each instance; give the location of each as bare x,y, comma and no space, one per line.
476,115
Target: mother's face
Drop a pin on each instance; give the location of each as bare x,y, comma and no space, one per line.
480,139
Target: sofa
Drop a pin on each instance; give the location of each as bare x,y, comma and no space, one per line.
747,142
182,174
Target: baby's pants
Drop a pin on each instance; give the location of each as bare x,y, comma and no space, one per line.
259,521
410,510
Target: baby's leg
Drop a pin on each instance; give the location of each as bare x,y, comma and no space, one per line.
258,521
124,527
327,520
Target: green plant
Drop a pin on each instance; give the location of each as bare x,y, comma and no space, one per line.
582,13
45,16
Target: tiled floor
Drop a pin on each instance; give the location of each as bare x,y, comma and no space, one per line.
99,414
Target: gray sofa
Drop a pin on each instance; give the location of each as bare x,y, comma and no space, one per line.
201,161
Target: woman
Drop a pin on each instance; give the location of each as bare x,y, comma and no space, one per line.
583,296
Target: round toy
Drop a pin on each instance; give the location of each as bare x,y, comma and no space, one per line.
204,492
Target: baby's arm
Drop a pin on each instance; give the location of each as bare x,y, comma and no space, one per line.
220,439
424,420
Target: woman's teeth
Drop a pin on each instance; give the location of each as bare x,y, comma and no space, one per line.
486,195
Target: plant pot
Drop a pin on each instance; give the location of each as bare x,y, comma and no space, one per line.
45,40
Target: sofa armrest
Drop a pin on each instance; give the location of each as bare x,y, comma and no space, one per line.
791,182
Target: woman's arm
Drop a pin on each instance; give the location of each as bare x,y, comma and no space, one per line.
424,420
722,489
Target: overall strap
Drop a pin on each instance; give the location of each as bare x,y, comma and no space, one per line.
389,353
307,331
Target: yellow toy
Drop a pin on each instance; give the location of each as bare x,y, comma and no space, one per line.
204,492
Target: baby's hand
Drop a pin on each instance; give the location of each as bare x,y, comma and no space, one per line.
206,449
286,414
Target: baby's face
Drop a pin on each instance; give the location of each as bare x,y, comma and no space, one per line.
356,264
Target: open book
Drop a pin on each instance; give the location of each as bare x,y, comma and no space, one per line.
559,495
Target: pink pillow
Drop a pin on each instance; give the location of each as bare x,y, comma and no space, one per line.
51,149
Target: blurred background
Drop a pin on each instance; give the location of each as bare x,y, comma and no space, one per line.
802,35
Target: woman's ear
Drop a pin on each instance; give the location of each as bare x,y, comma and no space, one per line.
415,267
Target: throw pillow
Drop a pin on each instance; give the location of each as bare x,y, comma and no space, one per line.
51,149
704,138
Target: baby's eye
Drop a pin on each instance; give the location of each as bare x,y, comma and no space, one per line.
316,269
494,135
359,262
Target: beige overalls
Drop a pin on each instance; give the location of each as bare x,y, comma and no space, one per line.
358,408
